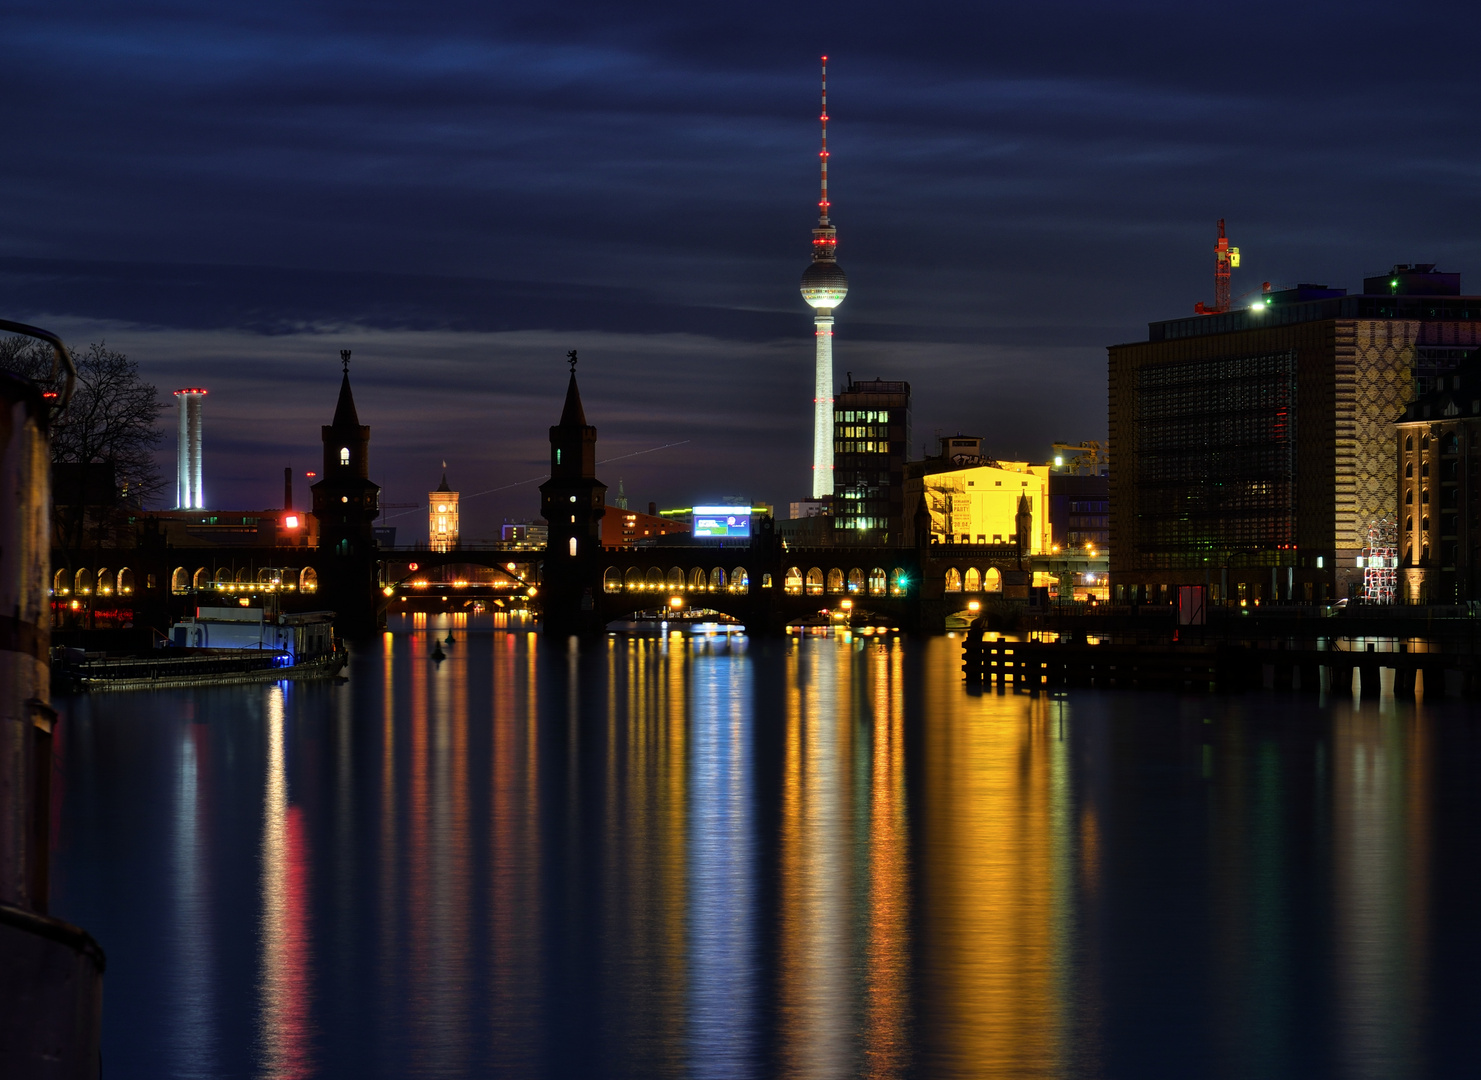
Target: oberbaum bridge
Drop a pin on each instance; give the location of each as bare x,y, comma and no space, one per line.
578,585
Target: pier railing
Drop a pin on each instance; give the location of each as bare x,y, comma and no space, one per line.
1222,667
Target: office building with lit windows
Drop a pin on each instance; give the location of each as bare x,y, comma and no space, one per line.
1251,450
871,433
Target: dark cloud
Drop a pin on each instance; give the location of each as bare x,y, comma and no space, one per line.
1015,187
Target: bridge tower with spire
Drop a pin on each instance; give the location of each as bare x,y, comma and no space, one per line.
572,502
346,503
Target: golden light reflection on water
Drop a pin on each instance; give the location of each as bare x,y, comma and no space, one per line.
817,868
995,883
886,1042
516,916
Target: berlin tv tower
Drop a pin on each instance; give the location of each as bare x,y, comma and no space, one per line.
823,286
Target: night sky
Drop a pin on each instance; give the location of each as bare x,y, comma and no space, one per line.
462,192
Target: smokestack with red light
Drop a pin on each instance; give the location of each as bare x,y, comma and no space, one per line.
188,493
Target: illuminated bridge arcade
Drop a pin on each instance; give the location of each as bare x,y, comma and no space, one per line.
760,582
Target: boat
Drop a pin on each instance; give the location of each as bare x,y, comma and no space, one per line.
217,646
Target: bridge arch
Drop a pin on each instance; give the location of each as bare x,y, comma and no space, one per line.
856,582
125,581
61,582
612,580
717,579
308,580
654,579
972,580
953,579
992,580
180,581
675,579
82,582
815,582
792,582
835,580
877,582
632,581
899,581
103,585
740,582
697,579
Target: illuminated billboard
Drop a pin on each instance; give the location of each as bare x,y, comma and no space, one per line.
722,522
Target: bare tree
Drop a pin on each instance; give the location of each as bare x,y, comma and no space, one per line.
102,446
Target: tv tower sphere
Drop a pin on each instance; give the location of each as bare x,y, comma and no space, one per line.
824,284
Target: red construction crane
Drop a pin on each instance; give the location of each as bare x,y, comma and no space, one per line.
1226,258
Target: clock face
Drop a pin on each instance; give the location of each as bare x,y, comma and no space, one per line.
442,508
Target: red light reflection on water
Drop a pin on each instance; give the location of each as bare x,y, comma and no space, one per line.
284,988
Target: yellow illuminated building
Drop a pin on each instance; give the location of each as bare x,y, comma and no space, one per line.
442,516
975,500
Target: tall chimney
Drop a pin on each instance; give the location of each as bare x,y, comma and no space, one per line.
188,495
652,509
288,488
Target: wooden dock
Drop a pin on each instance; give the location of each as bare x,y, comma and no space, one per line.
1223,668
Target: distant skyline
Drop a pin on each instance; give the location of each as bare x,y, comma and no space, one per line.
461,194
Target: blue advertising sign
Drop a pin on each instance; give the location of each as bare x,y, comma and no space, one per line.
722,522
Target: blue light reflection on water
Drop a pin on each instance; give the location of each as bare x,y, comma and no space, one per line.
716,857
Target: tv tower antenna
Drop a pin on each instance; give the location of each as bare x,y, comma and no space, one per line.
823,154
824,286
1226,258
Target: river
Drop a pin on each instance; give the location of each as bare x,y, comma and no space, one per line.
713,856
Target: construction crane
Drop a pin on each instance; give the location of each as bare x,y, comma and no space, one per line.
1226,258
1079,459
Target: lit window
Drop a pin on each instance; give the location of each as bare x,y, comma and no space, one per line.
573,547
344,455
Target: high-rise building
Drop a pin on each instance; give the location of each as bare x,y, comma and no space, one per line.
824,286
188,493
442,516
871,433
1251,450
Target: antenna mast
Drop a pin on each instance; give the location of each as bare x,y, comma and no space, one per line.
823,155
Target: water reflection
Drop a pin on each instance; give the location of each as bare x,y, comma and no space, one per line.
1381,776
194,1008
283,988
674,856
